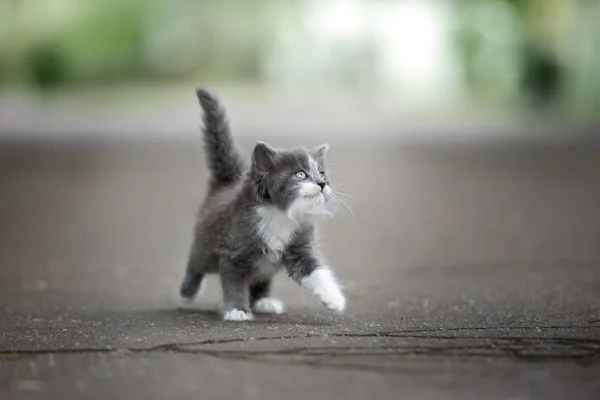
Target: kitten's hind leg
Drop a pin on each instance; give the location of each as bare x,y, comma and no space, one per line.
260,300
191,285
236,294
194,275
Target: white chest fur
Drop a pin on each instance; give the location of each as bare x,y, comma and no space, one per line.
275,228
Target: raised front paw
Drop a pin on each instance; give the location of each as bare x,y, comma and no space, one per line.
324,285
237,315
334,300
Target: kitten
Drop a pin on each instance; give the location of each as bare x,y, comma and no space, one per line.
257,220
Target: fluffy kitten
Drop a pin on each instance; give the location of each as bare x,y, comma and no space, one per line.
257,220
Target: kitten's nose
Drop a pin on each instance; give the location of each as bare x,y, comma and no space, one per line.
322,185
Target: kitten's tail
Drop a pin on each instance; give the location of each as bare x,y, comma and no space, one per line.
223,158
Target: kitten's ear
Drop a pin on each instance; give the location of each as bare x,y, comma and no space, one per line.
263,156
321,151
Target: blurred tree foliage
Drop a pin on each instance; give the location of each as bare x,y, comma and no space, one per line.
545,51
60,41
537,50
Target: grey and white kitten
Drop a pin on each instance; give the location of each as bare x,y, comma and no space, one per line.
257,220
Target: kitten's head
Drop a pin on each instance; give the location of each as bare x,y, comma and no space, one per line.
293,180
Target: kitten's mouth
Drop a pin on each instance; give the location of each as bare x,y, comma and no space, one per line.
314,196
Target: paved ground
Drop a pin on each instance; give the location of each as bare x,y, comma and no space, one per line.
472,272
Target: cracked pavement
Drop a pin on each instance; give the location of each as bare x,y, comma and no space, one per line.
472,271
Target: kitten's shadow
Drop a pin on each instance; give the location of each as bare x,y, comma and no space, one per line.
213,315
208,314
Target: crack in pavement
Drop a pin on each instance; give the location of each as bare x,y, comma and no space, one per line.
520,348
584,352
524,349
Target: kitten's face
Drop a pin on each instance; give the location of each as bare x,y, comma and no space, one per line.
294,181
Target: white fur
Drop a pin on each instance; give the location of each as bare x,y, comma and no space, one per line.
310,203
275,227
237,315
269,305
309,189
323,284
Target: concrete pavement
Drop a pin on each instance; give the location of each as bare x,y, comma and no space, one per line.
471,271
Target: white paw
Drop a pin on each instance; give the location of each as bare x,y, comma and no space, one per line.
334,300
269,305
324,285
237,315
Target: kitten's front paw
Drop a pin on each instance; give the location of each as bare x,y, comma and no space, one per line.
324,285
237,315
269,305
334,300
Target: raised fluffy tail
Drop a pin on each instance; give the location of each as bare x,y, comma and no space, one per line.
223,158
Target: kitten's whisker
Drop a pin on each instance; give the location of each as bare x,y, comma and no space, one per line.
349,208
350,200
345,204
349,197
342,183
342,192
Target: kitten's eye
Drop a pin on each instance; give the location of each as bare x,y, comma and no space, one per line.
322,174
301,174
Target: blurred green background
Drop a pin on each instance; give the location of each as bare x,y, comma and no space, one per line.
542,56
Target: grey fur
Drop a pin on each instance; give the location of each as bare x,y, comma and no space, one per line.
227,240
223,157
